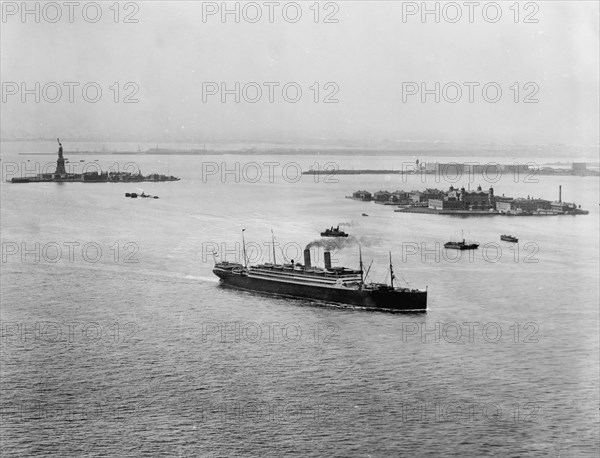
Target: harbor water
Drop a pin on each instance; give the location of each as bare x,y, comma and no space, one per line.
117,339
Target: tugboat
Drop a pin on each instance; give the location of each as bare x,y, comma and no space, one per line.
461,245
509,238
334,232
134,195
329,284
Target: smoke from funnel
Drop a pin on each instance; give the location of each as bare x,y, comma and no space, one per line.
341,242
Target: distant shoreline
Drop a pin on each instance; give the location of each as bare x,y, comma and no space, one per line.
307,152
533,172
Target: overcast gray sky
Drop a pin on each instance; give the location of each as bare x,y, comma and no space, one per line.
368,55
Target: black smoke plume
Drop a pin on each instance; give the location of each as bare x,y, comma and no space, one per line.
338,243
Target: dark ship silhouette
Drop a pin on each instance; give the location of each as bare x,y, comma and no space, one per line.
329,284
333,232
462,245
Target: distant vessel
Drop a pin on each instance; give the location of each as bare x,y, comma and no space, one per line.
134,195
331,284
364,214
509,238
461,245
334,232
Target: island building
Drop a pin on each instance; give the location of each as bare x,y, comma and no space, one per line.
362,195
461,199
478,201
401,198
382,196
423,197
523,205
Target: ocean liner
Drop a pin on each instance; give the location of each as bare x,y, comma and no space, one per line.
329,284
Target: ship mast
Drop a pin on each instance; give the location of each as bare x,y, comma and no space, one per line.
244,248
273,242
391,271
362,280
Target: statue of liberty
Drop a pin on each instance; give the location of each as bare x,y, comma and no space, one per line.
60,163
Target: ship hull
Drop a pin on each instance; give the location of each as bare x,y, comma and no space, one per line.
384,300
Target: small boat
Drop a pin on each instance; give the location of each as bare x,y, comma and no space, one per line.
333,232
509,238
364,214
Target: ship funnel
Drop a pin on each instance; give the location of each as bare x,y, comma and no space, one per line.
307,264
327,260
560,193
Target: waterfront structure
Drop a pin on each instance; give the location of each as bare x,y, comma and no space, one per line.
400,198
382,196
362,195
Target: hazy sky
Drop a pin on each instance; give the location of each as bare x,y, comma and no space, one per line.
170,53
